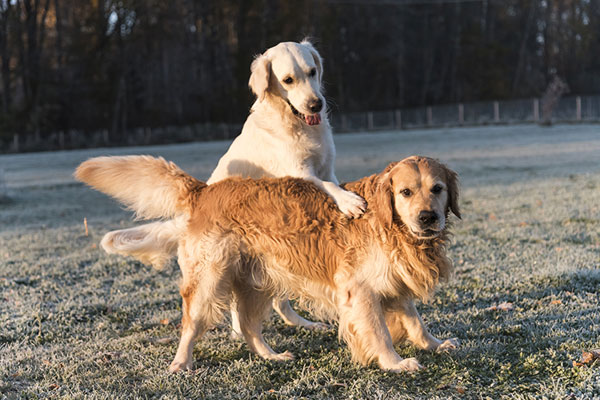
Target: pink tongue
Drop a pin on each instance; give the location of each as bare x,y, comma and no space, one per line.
313,119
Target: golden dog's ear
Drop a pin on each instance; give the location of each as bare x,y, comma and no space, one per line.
452,182
259,76
384,201
316,57
390,166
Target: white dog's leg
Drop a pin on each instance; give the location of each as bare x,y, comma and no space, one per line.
290,317
236,329
348,202
253,307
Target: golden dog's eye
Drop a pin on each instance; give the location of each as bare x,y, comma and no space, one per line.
406,192
288,80
436,189
312,72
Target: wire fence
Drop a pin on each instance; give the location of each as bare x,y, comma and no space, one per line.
573,109
568,109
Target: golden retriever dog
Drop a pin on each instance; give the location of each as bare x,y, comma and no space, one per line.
286,134
250,240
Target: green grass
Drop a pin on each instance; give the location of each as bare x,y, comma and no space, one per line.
77,323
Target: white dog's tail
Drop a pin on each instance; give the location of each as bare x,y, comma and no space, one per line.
154,244
151,187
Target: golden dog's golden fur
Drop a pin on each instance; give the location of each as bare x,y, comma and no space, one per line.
249,240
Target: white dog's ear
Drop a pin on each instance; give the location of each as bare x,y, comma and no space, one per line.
260,75
316,57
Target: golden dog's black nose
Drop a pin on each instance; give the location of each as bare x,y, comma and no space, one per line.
315,105
427,217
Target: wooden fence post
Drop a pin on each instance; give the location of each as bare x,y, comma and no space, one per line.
16,143
429,116
536,110
370,124
344,123
461,114
578,108
398,117
496,112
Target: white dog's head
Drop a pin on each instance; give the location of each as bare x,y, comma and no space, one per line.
293,72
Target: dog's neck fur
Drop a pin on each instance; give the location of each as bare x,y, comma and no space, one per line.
418,264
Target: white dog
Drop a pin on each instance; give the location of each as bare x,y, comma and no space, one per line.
286,134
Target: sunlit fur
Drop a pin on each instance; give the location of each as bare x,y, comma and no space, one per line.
273,143
249,240
284,146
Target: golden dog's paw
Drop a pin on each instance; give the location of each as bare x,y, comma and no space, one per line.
448,344
177,366
407,365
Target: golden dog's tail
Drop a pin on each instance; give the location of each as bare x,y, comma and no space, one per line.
151,187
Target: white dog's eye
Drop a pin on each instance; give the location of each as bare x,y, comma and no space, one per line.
312,72
436,189
288,80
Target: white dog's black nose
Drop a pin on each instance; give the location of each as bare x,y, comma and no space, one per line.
315,105
427,217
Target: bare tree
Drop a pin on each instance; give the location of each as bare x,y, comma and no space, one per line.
5,53
554,92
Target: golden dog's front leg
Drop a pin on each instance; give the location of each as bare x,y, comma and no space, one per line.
362,326
404,321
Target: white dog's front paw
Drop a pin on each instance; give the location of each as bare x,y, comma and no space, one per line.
317,326
447,345
351,204
406,365
235,335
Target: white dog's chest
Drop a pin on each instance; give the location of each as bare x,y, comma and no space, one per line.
313,151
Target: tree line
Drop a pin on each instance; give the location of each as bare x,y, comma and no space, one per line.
121,64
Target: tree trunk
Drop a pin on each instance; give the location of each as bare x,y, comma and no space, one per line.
5,8
523,48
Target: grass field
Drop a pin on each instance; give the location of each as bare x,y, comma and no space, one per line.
77,323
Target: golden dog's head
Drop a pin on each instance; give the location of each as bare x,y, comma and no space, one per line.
420,192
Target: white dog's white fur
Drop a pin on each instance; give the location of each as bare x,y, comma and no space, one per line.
286,134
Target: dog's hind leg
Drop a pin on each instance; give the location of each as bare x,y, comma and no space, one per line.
290,317
253,308
206,292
